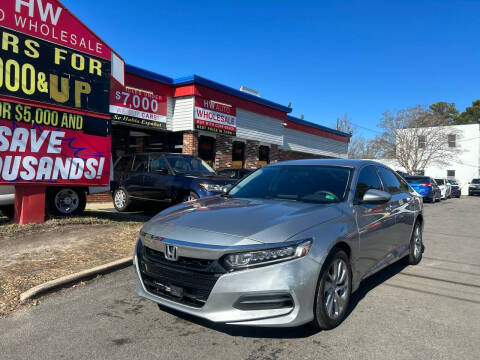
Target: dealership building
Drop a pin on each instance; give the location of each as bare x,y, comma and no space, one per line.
70,107
224,126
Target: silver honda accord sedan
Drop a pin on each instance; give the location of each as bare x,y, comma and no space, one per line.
286,246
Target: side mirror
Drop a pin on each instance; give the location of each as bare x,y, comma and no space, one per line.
226,188
373,196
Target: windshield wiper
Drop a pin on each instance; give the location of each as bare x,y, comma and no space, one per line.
277,198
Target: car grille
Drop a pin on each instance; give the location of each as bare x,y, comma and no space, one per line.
188,281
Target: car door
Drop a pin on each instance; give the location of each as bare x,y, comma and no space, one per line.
405,216
374,221
134,184
396,206
158,180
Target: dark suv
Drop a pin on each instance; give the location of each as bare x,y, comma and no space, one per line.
163,177
474,187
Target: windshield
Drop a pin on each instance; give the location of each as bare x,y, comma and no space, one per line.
417,180
306,183
453,182
439,181
189,165
476,181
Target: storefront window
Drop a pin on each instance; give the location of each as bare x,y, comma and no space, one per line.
263,155
238,154
206,149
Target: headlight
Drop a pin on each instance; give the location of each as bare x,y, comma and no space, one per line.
243,260
213,187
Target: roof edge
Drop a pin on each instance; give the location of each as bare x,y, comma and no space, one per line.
317,126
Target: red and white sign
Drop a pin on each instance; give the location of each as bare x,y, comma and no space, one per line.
51,21
142,104
215,116
51,155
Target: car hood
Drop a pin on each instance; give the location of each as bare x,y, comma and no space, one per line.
235,221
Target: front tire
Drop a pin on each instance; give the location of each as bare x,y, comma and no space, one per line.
66,201
416,246
192,195
334,290
121,200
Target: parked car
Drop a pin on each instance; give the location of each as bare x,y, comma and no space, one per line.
445,188
285,246
425,186
235,173
474,187
163,178
456,191
402,174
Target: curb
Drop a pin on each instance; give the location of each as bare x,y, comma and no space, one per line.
64,280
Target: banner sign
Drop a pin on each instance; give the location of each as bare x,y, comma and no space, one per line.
49,20
38,70
39,145
138,106
214,116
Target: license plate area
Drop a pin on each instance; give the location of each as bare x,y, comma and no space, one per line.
176,291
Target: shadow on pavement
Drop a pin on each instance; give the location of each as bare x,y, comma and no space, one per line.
303,331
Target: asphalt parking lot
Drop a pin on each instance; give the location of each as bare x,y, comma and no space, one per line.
428,311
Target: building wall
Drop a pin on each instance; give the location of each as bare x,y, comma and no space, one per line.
299,141
170,111
182,119
466,164
253,126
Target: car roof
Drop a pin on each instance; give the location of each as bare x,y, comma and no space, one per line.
354,163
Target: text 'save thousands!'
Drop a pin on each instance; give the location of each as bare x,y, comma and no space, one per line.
39,145
215,116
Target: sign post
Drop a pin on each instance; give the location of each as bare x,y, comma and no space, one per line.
55,128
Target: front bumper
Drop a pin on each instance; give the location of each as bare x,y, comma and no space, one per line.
297,277
473,190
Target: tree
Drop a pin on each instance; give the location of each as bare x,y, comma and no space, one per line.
344,124
471,115
412,137
447,113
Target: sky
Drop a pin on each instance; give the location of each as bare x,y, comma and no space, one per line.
328,58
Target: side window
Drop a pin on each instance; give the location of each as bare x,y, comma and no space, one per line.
368,179
404,187
157,162
390,181
140,164
124,164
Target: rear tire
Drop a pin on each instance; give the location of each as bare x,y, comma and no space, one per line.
334,289
121,200
66,201
416,246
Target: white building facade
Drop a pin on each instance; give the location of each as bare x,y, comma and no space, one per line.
464,166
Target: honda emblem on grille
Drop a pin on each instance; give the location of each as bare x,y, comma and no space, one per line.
171,252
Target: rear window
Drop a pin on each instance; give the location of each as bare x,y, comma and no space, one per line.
417,180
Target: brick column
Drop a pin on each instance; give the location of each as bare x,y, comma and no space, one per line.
190,143
251,154
275,155
223,155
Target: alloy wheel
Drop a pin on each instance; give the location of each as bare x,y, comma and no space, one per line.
66,201
417,242
335,296
120,199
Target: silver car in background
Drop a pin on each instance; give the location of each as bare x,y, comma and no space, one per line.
286,246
